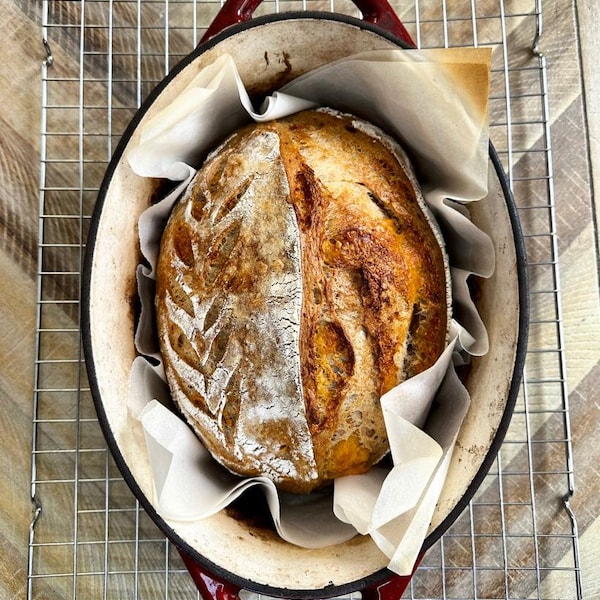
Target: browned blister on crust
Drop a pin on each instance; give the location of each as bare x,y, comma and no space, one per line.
298,280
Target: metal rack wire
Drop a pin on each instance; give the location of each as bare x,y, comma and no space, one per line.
89,538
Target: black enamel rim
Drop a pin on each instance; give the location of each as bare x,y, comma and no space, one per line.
218,570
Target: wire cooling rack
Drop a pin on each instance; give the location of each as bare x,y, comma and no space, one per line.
89,538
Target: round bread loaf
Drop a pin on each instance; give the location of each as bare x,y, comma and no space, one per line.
299,278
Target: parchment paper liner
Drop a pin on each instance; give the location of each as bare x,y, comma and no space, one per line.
435,102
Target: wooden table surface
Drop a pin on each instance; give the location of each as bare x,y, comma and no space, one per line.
570,43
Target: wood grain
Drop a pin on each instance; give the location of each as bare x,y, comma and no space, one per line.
19,152
569,44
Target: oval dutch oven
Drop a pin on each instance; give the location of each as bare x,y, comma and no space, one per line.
231,550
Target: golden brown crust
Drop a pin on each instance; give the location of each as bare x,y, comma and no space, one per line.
298,280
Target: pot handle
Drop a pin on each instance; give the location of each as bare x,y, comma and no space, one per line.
214,588
209,586
392,588
378,12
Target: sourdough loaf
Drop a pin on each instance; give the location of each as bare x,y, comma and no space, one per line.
299,279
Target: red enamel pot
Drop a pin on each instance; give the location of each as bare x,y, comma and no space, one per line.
234,549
